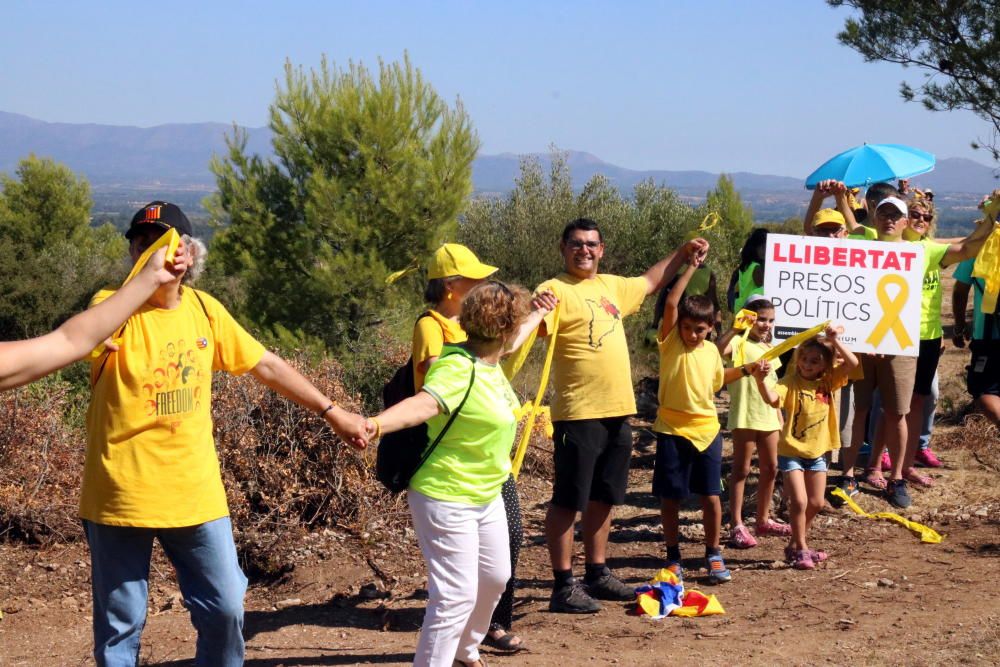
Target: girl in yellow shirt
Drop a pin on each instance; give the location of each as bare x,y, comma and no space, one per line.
811,429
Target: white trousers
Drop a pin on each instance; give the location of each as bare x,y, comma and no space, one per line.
468,565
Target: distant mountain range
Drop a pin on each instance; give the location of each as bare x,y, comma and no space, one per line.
176,156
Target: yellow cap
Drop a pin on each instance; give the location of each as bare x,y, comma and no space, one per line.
453,259
828,216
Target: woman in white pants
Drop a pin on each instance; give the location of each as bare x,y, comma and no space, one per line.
455,495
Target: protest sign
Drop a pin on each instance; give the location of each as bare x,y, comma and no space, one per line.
870,288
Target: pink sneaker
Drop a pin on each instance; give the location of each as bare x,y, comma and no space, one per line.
886,462
773,528
802,560
928,459
741,538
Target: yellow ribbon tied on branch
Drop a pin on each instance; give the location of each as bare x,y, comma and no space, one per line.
172,240
536,407
927,535
891,309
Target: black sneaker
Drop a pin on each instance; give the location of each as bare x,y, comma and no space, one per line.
572,599
897,495
610,587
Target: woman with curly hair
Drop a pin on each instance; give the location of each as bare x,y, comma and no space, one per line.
455,496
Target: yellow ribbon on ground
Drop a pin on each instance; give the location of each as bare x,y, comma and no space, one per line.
794,341
536,405
987,267
891,309
927,535
172,240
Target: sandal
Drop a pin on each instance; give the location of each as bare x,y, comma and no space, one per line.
911,475
508,642
874,478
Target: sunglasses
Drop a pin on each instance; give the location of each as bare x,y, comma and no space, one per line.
579,245
926,217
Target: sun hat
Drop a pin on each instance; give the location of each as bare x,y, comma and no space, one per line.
896,202
160,214
454,259
828,216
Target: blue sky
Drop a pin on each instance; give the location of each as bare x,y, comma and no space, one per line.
721,86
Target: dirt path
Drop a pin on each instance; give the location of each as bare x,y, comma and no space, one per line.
882,597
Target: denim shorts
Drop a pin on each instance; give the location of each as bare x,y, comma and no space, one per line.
790,463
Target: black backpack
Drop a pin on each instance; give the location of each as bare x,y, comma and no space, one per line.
401,454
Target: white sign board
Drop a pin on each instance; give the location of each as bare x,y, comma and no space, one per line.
871,288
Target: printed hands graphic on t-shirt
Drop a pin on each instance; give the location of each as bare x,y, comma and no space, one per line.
604,318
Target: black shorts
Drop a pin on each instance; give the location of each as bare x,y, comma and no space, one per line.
681,469
984,371
592,457
927,363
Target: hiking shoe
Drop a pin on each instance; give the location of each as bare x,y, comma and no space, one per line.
609,587
802,560
717,571
886,462
849,485
911,475
572,599
772,528
741,538
678,571
927,459
897,495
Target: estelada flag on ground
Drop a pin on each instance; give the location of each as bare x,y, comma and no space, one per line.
665,596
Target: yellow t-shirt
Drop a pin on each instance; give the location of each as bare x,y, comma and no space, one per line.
151,459
429,335
747,408
591,373
689,379
812,427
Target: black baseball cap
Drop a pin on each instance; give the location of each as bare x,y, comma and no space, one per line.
162,214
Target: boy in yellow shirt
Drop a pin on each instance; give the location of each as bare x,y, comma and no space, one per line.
688,444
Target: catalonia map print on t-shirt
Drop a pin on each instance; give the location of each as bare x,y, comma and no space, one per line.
604,318
175,388
810,399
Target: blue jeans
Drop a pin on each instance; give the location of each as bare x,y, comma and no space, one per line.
210,579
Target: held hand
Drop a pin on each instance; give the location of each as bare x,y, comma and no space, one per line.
694,247
760,369
164,272
350,427
832,332
546,301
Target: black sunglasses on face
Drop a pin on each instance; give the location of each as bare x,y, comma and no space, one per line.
926,217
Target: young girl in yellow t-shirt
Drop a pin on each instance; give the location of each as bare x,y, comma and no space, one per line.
811,429
754,424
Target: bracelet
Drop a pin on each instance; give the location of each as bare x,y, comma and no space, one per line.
378,428
327,409
744,370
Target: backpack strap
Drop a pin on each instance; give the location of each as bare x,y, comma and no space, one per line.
472,379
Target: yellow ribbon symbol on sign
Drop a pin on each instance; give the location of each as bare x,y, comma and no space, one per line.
891,309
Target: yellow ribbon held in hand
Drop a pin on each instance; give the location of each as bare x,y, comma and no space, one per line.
707,223
794,341
536,405
987,267
172,240
891,309
927,535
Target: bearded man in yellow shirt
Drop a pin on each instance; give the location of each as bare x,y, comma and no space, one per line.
593,398
151,469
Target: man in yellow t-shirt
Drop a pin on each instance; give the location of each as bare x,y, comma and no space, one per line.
593,398
151,469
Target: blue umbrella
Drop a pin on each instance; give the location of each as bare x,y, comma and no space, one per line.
872,163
